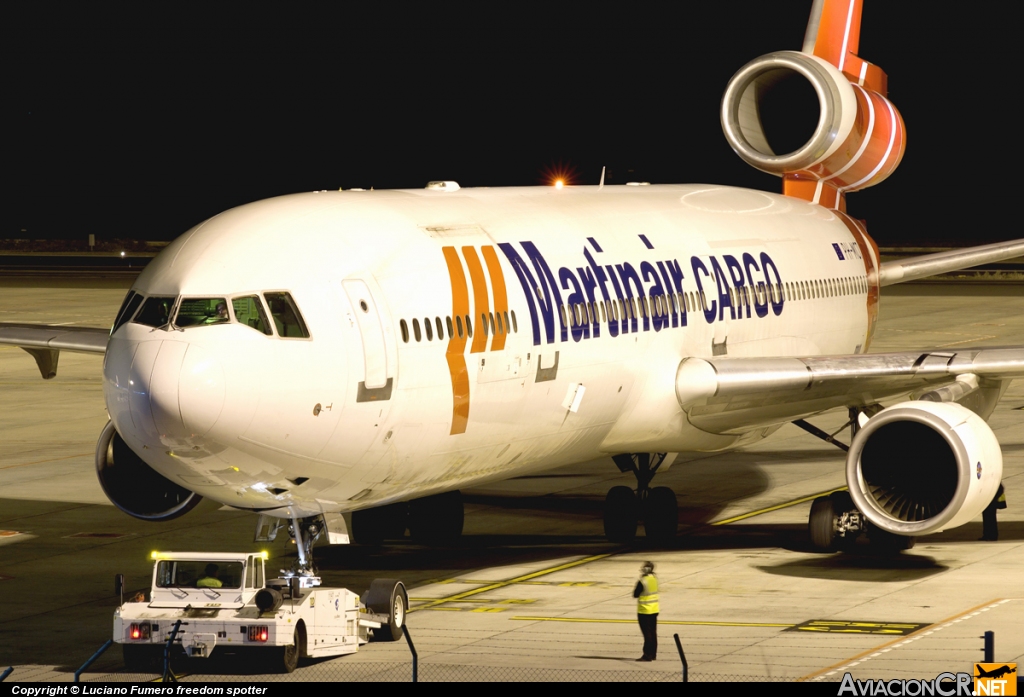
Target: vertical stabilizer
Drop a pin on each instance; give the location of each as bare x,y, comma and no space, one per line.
833,34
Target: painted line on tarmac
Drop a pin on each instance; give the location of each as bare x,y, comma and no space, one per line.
863,656
481,601
459,597
559,584
502,584
778,506
39,462
770,625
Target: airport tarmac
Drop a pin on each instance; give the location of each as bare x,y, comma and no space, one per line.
534,591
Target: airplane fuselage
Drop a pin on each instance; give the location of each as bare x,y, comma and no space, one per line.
457,337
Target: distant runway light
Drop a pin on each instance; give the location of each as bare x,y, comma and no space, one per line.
122,254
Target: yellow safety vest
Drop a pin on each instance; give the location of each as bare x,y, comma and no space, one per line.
647,603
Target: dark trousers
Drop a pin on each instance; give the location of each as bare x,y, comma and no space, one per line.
649,627
990,526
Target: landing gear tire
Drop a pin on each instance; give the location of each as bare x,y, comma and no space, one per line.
142,659
437,520
387,596
825,514
821,524
289,659
371,526
621,513
661,514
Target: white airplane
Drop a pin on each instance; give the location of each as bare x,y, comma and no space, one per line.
372,352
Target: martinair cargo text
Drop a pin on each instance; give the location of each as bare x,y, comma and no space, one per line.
350,360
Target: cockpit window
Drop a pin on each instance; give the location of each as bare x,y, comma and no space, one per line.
249,311
155,312
200,312
286,316
128,307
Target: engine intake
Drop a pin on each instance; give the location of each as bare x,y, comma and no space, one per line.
768,113
135,487
920,467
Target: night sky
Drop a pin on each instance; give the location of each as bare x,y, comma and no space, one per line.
139,125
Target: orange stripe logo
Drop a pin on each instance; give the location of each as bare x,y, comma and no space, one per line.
455,354
463,320
476,275
500,295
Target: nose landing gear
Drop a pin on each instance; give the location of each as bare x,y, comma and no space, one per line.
624,508
305,532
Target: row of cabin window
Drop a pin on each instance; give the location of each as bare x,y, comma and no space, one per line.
579,314
491,323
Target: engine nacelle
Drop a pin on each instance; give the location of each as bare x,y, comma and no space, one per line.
857,141
135,487
920,467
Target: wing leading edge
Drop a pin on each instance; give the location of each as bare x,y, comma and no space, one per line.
733,395
902,270
45,342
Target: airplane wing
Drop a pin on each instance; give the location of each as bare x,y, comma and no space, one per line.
902,270
45,342
732,395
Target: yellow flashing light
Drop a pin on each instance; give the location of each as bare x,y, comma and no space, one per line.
265,555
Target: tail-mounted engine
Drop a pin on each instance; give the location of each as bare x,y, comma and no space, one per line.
768,115
135,487
919,467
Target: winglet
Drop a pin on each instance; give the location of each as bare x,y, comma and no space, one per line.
833,33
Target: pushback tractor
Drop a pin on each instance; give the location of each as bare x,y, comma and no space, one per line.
226,604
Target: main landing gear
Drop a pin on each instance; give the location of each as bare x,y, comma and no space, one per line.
624,508
835,523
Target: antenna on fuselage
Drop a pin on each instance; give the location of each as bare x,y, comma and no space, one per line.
601,185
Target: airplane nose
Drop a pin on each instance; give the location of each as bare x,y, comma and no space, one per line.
201,390
117,364
162,391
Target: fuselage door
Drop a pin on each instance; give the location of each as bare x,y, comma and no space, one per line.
372,320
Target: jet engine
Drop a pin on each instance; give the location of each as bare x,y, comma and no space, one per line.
135,487
795,114
919,467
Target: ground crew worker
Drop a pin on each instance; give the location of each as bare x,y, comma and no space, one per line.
210,580
646,594
990,526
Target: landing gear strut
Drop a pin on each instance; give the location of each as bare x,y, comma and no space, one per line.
835,523
305,532
624,507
